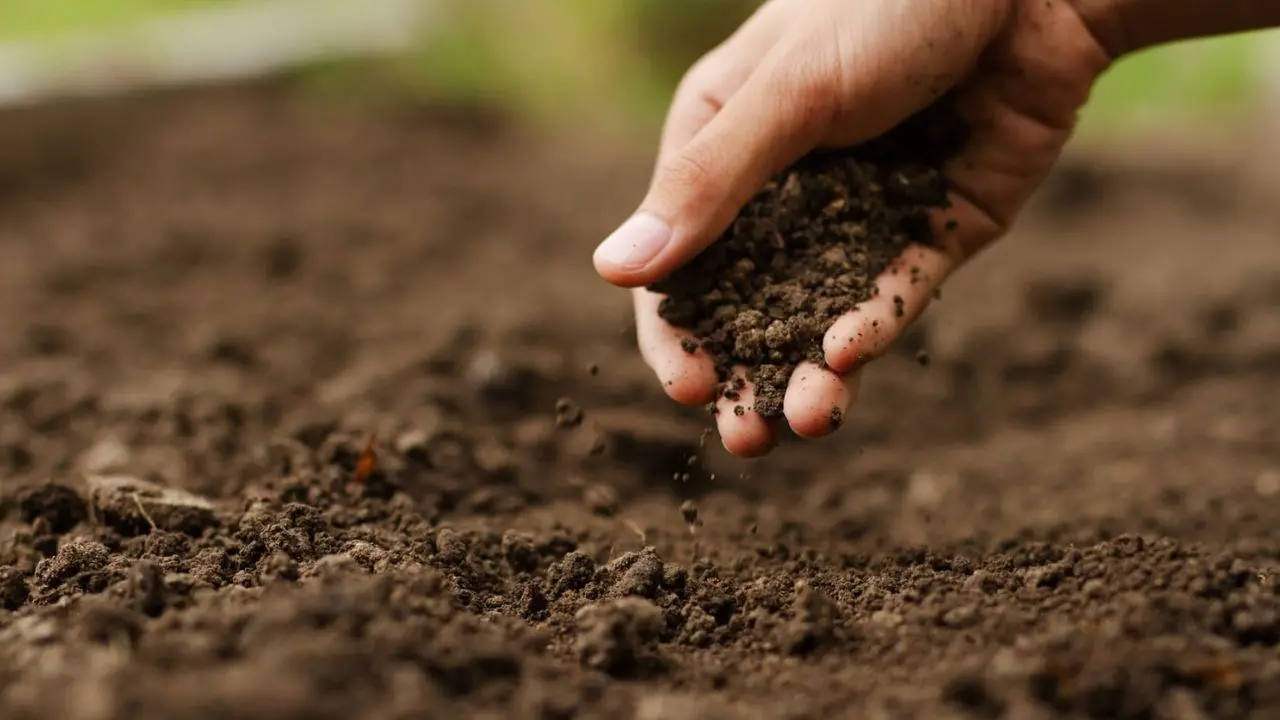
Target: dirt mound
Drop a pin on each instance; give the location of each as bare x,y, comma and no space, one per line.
310,412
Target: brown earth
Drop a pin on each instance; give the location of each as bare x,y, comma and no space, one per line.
213,301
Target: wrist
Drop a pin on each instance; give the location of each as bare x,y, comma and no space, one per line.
1127,26
1106,21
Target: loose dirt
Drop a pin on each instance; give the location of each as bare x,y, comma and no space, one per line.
294,423
806,250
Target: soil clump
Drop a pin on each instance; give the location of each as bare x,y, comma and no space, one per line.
807,249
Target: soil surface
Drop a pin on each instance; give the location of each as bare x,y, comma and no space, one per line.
806,250
317,412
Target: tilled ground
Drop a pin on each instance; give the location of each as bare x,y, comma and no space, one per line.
213,301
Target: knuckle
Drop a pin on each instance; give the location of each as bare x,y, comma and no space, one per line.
808,85
815,88
687,178
701,74
701,89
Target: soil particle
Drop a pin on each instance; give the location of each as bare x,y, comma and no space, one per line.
13,588
568,414
572,572
77,561
520,552
619,636
689,511
133,506
807,249
638,573
146,587
813,624
58,507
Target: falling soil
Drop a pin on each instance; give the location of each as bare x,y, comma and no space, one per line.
807,249
275,443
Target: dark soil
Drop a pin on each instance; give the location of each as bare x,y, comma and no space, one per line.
295,422
806,250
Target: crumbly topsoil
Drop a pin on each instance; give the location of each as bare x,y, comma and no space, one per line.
220,306
807,249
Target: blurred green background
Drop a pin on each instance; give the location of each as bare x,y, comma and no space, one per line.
623,57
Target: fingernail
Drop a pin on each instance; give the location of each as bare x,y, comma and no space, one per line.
636,243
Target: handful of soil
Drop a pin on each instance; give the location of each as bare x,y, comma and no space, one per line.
807,249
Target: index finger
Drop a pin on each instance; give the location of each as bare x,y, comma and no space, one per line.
718,75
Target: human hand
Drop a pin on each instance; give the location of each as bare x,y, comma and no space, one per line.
807,74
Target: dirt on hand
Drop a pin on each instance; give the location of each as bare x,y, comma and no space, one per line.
807,249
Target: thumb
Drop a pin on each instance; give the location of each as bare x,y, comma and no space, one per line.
778,115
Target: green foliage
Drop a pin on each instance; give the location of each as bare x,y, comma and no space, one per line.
38,19
1190,81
